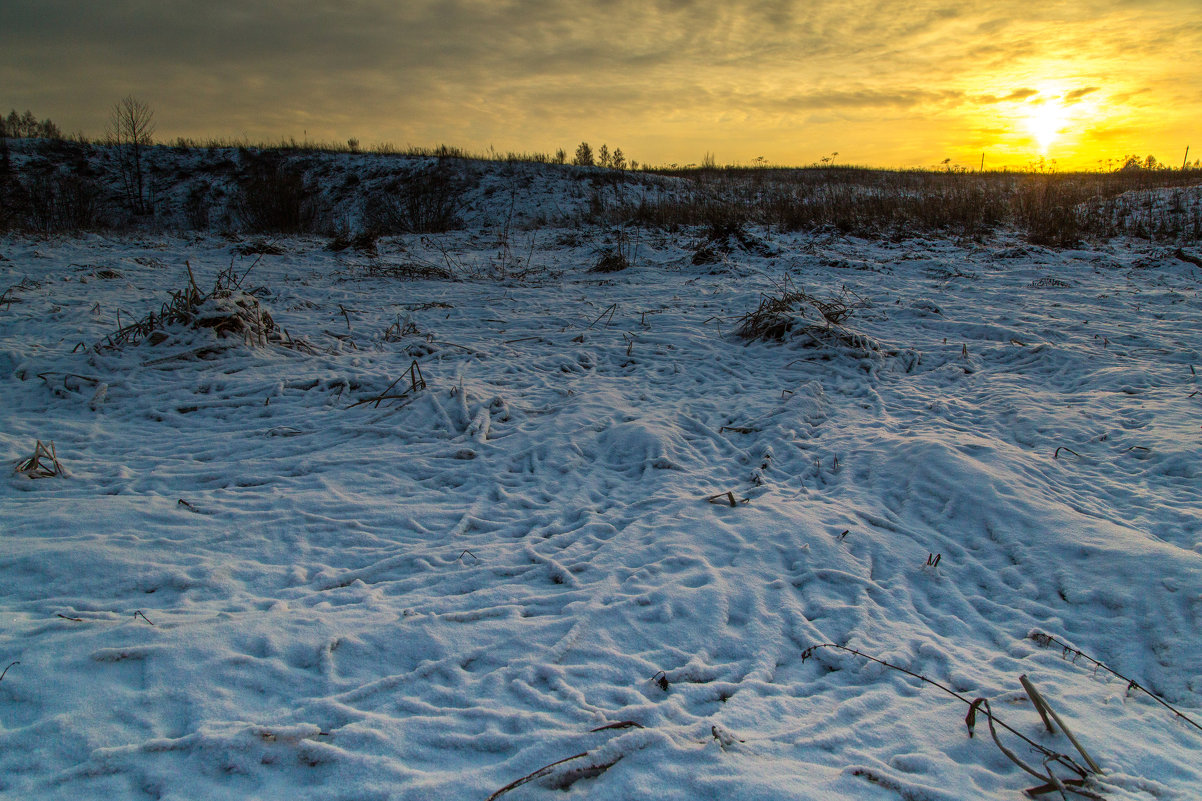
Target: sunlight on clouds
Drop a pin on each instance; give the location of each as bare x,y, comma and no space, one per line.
1051,109
882,82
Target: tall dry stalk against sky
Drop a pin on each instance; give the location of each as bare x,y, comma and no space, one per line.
882,82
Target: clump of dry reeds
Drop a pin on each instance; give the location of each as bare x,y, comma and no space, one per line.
618,257
792,310
611,261
1048,208
227,310
42,464
408,271
725,234
364,242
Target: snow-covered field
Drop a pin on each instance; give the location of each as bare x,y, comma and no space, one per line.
248,583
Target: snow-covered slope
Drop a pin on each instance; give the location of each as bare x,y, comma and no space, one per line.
227,188
314,572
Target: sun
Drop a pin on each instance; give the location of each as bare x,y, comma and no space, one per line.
1046,122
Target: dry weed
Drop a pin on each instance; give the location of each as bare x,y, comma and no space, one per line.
42,464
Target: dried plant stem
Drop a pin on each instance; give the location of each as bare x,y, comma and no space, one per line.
43,464
1047,639
1049,755
611,309
1037,702
1054,783
1045,709
417,382
545,769
726,498
621,724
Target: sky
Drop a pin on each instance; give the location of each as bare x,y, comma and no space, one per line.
877,82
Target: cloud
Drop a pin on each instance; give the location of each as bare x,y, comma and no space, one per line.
536,74
1076,94
1015,96
866,99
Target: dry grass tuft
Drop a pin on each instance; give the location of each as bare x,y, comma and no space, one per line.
407,271
724,235
792,310
620,255
363,242
611,261
227,310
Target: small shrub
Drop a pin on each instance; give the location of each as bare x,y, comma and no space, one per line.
197,206
426,202
61,202
1047,212
726,233
275,198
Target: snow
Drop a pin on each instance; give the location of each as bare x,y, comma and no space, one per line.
250,583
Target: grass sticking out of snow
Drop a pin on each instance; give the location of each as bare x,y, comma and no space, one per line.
475,527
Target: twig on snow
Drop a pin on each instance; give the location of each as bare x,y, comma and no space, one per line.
970,720
1047,639
727,498
592,770
621,724
611,309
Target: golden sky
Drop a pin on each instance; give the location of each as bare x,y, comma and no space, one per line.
882,83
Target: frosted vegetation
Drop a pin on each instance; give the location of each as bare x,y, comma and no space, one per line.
362,476
127,184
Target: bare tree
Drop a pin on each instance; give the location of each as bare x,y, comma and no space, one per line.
130,131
